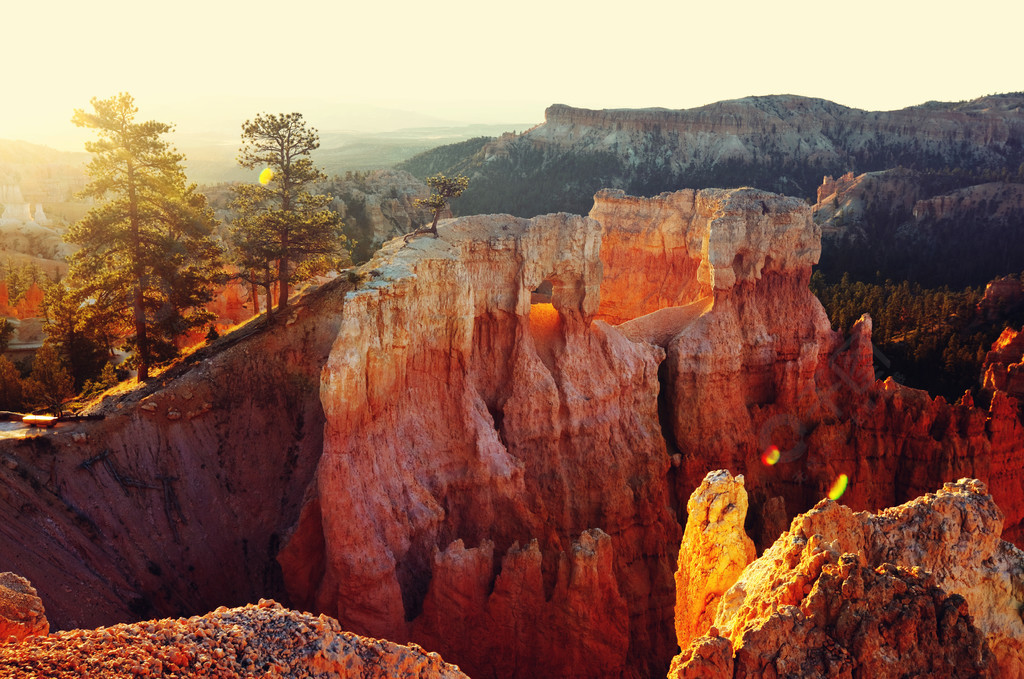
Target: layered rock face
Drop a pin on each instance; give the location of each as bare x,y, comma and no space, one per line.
924,587
492,483
21,611
752,364
1003,370
178,500
786,128
454,524
264,640
456,447
935,228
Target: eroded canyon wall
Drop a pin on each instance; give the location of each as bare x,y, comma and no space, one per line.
495,483
456,447
925,587
492,483
753,367
176,501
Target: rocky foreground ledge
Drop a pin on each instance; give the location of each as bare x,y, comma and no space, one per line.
264,640
923,589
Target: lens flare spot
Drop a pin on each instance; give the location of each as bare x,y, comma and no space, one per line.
838,487
770,456
266,176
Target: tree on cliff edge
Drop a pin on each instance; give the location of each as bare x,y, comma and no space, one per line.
443,189
146,253
282,230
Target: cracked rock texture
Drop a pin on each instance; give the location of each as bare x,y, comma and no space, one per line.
482,442
927,586
264,640
21,610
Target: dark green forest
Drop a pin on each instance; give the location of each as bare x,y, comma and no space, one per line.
933,338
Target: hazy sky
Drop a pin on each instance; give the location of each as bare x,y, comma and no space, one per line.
205,64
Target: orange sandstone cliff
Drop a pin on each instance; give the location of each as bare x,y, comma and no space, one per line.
926,587
492,482
752,365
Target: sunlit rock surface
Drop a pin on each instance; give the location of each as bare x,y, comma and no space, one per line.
714,552
453,445
264,640
21,611
492,483
924,587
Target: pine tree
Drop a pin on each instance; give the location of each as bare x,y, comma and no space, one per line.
50,382
79,330
282,229
11,386
146,255
443,189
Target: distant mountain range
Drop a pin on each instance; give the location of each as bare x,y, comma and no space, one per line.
781,143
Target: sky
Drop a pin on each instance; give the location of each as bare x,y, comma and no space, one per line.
374,65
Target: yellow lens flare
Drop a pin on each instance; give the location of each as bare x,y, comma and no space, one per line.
266,176
770,455
838,487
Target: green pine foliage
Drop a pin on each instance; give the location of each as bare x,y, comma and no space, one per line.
82,332
50,385
442,190
12,389
282,231
146,257
935,338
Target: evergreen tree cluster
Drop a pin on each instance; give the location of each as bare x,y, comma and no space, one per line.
935,338
150,254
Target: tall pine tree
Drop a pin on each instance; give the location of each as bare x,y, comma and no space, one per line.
283,231
146,252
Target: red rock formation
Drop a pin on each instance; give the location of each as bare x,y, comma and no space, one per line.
264,640
1003,369
1002,297
474,447
456,465
924,587
714,552
848,621
21,611
778,374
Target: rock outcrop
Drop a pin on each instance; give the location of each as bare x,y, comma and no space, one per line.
924,587
935,228
378,205
492,478
21,611
816,128
745,328
177,500
1003,296
1003,370
264,640
714,552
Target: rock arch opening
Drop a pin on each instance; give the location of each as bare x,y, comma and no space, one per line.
546,323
